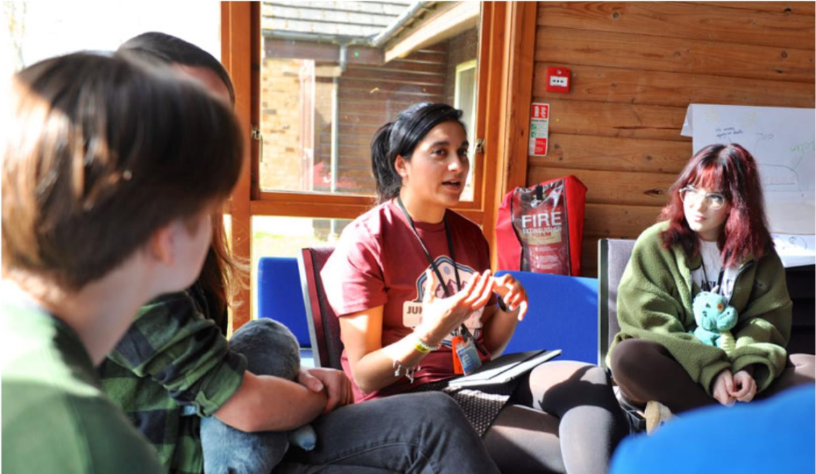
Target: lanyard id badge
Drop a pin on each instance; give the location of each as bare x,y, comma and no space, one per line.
465,357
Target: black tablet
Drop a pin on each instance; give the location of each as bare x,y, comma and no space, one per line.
505,368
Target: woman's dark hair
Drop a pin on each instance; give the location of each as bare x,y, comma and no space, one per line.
168,49
98,153
399,138
731,170
222,274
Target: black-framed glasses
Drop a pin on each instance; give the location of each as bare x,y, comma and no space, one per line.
692,195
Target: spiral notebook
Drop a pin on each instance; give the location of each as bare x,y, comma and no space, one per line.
505,368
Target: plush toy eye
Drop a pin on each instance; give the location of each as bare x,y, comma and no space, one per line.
708,305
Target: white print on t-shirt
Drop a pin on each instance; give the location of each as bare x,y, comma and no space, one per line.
412,310
708,274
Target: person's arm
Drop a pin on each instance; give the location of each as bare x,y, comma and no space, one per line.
175,345
266,403
653,302
372,365
764,323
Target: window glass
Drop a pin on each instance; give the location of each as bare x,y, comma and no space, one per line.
327,85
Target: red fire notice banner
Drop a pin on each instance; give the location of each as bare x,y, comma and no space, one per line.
539,129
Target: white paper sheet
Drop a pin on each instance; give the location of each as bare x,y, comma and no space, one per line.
783,141
795,250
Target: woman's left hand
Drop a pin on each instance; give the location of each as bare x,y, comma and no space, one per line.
513,293
745,386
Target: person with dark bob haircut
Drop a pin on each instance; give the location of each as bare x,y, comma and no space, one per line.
168,49
111,169
212,405
713,237
411,280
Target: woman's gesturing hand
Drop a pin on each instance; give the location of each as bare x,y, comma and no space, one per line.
513,294
441,316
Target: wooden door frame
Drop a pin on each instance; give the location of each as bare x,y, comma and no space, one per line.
505,78
507,89
240,54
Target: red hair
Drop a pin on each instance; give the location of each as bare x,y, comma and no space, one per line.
732,170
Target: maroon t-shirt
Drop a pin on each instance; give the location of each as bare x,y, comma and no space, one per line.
379,262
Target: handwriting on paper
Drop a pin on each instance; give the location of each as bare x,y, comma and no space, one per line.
728,132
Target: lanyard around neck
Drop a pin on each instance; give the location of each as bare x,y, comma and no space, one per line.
706,287
431,261
463,330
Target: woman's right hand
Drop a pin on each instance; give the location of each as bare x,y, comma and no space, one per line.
441,316
745,386
724,387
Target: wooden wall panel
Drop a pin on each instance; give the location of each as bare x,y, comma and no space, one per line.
788,8
615,120
589,255
617,220
655,53
676,20
608,187
636,67
614,154
604,84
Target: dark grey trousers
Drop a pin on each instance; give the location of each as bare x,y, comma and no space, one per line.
416,433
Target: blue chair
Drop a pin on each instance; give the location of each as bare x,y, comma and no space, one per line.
280,298
563,314
771,435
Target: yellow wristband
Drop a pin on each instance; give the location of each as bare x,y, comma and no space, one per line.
422,347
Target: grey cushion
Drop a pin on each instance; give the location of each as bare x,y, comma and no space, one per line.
613,256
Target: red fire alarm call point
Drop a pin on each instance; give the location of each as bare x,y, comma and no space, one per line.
558,79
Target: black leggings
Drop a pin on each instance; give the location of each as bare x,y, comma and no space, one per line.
645,371
563,417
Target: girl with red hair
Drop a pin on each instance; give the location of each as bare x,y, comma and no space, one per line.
712,236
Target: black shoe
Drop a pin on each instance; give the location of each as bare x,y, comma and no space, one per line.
637,424
634,414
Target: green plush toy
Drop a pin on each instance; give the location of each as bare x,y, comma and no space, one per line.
714,318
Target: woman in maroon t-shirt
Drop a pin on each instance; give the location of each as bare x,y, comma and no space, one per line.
411,282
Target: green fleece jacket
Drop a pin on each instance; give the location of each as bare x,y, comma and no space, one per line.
654,304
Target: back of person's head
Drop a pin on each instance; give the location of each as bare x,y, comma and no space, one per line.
99,152
400,138
222,274
732,171
163,48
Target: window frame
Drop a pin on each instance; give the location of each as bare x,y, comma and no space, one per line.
504,82
472,136
460,68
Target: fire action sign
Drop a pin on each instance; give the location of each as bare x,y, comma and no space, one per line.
539,129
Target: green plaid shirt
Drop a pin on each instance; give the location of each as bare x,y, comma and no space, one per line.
172,362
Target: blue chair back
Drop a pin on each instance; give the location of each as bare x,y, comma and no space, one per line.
280,296
563,314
